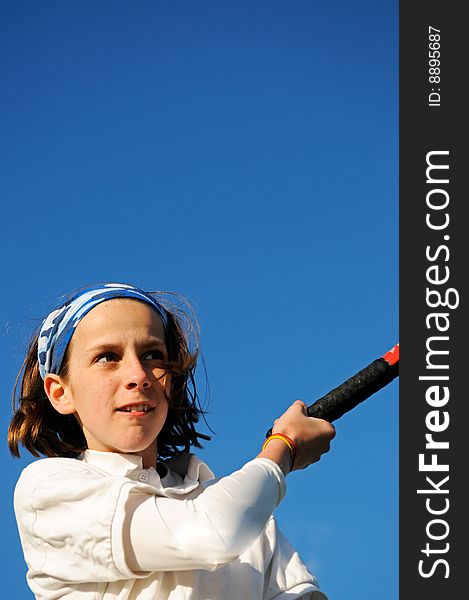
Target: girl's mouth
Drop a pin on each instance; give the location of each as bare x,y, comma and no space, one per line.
136,408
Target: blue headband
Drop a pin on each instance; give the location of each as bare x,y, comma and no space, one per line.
59,326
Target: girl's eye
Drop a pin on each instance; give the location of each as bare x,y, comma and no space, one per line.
155,355
106,358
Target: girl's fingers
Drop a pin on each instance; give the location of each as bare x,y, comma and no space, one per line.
311,436
302,405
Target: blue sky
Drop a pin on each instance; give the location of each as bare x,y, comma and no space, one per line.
244,154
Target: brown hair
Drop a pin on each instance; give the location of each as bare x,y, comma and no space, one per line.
42,430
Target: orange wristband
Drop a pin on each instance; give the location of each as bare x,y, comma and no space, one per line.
289,442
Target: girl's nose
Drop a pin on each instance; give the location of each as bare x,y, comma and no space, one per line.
136,377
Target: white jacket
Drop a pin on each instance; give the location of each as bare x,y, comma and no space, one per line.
104,528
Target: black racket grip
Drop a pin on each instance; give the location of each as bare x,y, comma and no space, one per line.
355,390
352,392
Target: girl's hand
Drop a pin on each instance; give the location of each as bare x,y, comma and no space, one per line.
312,436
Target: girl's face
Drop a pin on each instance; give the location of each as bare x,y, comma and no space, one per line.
115,384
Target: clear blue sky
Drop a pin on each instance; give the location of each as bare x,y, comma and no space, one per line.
244,154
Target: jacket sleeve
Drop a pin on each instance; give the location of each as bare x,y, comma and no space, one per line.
65,516
210,530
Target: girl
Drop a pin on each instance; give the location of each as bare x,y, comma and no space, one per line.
107,392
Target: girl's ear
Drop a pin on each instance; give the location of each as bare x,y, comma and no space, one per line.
59,394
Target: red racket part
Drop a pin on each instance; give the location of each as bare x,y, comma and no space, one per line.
356,389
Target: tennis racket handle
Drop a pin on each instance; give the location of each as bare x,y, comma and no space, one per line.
356,389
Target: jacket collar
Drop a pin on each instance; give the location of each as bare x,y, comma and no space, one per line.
113,463
184,473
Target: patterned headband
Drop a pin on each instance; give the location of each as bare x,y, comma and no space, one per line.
59,326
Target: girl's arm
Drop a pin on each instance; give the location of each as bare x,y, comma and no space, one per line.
214,528
228,516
